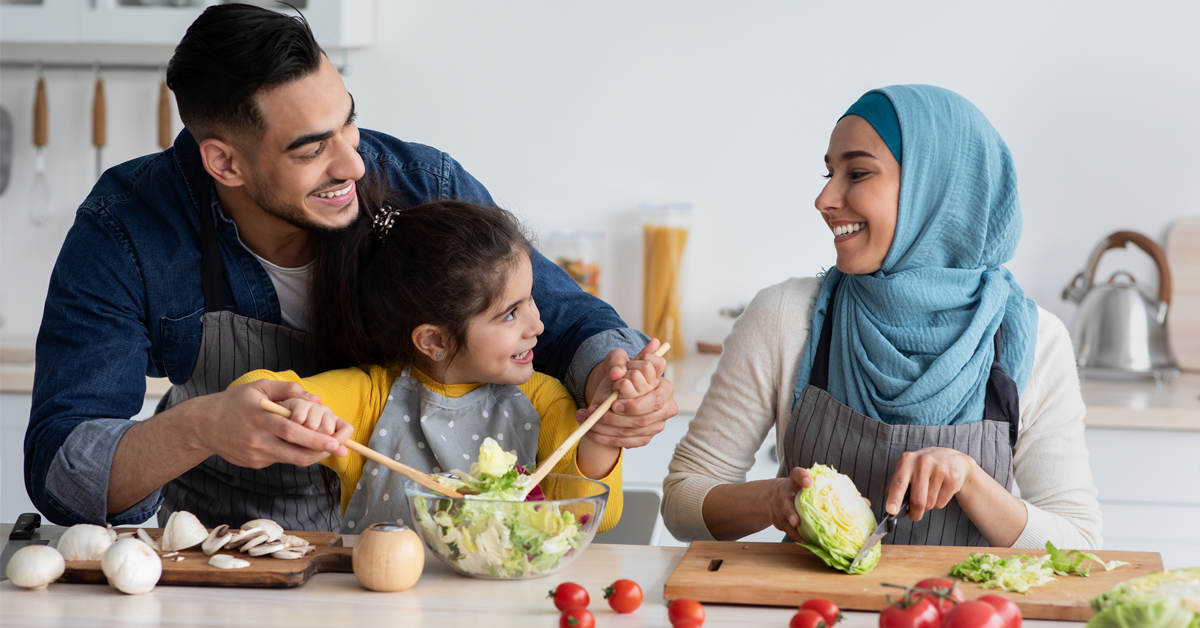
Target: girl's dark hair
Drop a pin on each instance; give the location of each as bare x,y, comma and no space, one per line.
229,53
440,263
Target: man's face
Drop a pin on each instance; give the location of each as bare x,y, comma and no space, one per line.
304,168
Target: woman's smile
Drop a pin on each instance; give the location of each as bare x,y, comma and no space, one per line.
846,230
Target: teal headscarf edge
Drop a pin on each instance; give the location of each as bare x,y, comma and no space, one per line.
877,110
916,252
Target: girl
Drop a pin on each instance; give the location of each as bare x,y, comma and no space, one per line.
916,365
436,302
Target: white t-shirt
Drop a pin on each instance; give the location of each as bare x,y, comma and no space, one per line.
291,286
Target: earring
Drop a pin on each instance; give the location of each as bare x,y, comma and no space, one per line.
439,356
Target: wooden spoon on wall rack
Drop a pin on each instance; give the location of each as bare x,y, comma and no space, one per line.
424,479
165,138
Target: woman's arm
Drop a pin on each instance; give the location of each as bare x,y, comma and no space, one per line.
705,494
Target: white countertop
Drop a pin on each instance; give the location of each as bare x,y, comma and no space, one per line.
440,598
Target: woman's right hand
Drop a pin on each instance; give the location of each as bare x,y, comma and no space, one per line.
781,501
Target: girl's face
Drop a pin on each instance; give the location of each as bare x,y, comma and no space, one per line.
500,341
861,199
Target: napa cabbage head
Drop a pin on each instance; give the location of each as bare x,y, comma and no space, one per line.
835,521
1168,599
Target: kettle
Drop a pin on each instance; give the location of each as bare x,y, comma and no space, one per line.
1119,329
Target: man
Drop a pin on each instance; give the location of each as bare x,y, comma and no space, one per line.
192,264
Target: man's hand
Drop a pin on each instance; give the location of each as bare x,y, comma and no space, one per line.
645,401
248,436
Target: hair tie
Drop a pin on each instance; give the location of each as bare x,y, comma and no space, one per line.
384,220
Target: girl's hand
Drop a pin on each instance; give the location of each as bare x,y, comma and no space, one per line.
645,399
931,476
781,502
319,418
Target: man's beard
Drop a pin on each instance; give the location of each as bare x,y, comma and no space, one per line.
296,216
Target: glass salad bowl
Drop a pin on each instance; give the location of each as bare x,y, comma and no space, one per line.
506,540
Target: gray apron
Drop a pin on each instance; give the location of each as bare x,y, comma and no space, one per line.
823,430
216,491
435,433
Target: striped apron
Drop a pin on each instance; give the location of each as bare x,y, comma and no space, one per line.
823,430
216,491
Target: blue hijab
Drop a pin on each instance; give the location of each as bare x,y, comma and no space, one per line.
913,342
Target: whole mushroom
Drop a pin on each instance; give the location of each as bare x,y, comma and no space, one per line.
183,530
85,541
131,566
35,566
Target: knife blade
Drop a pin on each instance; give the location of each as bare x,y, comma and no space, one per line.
23,534
884,528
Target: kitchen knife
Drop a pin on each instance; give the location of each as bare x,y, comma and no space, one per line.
22,534
884,528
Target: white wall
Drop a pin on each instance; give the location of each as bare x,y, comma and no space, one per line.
573,114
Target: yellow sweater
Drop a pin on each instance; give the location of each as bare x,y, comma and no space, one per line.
358,395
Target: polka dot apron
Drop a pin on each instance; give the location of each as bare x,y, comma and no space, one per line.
434,433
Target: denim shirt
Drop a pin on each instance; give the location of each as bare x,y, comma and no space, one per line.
125,302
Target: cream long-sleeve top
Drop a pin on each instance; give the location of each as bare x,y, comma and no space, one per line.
751,392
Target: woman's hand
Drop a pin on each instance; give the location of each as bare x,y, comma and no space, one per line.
645,401
931,476
781,504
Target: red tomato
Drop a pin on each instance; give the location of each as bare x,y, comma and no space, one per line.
806,619
624,596
577,618
1007,608
943,585
827,609
685,609
973,614
921,614
568,595
688,623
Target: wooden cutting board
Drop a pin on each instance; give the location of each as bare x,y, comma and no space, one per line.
785,574
1183,319
263,572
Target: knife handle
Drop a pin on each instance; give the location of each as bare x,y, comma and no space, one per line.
26,524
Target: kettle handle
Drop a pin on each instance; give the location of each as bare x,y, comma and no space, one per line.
1118,240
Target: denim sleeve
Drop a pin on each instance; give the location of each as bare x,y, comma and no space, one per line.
580,329
90,366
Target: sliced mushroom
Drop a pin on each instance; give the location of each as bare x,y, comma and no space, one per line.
303,549
145,538
225,561
274,530
241,537
293,541
126,535
266,548
217,539
178,558
170,554
254,542
183,531
287,554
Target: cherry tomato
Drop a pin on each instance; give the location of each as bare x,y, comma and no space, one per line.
624,596
568,595
827,609
1008,609
920,614
577,617
973,614
806,619
685,609
943,585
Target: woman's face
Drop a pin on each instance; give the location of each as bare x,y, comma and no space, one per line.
500,341
861,199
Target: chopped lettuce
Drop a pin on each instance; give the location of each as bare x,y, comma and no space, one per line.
1021,571
1168,599
835,521
486,533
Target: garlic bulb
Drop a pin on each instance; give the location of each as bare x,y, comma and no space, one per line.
131,566
183,530
274,530
85,542
35,566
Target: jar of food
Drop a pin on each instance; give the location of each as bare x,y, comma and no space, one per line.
581,254
665,230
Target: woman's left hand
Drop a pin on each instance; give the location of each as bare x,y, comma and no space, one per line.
931,476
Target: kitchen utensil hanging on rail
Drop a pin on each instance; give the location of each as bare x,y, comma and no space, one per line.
99,121
165,138
38,205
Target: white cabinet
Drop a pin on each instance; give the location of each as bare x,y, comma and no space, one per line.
335,23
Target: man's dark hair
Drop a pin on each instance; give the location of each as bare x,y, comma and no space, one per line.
227,55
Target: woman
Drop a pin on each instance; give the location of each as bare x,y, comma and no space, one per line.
917,366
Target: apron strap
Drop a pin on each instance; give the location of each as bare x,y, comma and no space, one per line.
1002,402
212,269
